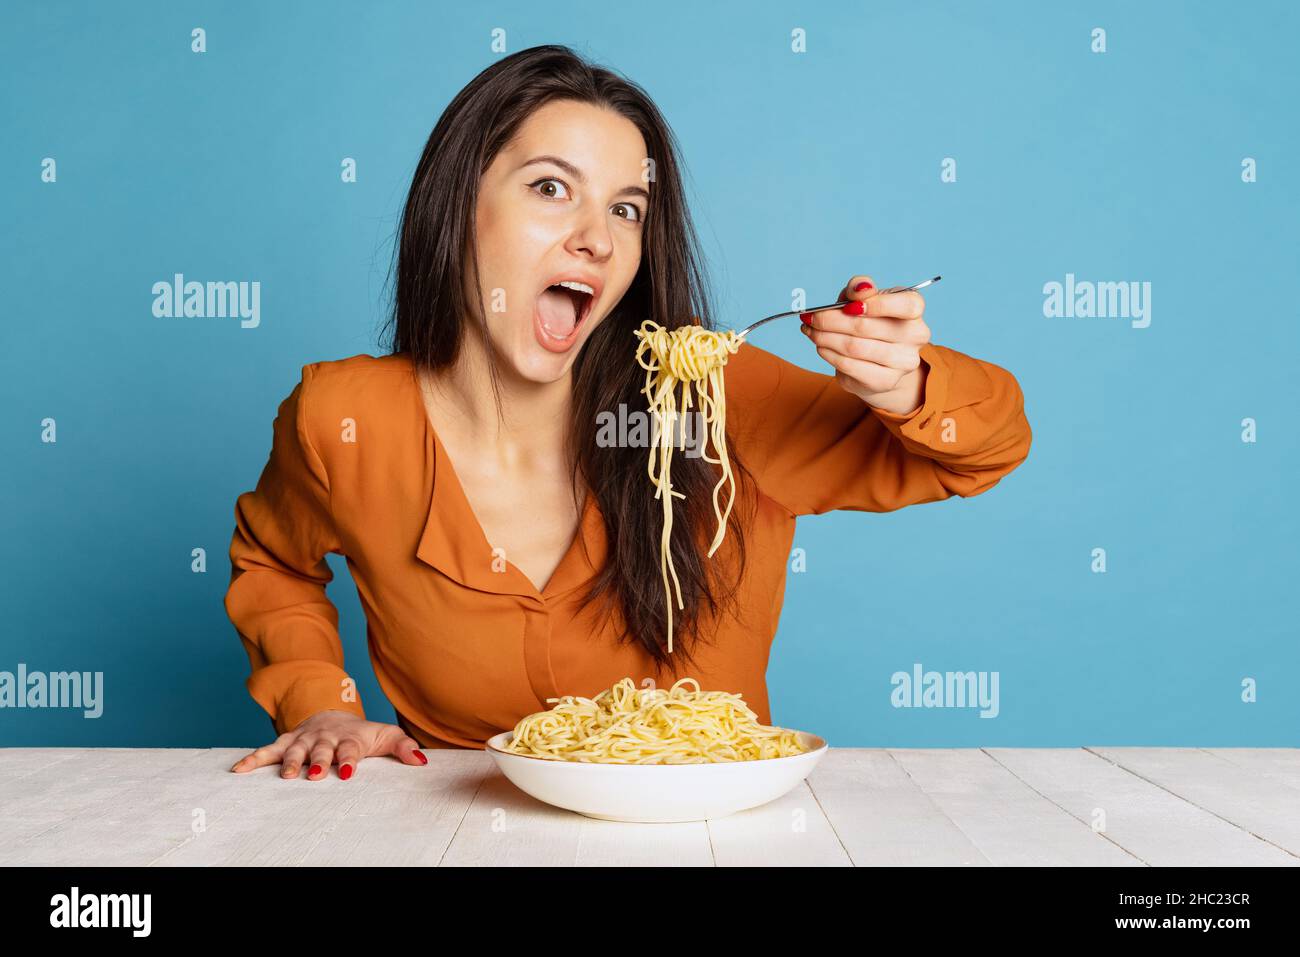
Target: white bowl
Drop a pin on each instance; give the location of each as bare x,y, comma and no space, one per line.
656,793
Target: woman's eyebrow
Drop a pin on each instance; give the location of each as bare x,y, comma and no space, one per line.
579,175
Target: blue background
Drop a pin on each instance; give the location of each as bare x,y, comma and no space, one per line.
804,169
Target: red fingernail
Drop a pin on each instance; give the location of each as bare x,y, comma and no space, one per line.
854,309
420,755
865,284
345,772
314,769
805,318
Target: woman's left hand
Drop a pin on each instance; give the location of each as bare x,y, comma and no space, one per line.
874,343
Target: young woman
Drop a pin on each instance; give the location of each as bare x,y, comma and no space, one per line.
503,553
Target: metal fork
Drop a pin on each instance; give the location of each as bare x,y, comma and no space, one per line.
835,305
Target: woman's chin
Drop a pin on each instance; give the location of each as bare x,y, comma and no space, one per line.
532,355
533,363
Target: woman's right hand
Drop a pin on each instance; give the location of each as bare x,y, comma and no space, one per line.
328,737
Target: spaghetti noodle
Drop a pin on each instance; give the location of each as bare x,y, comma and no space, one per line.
627,725
683,365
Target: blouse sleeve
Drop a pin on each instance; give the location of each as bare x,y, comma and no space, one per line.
814,447
276,598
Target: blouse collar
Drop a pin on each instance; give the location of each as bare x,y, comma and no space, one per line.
454,543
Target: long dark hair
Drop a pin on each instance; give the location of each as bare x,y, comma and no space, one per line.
437,294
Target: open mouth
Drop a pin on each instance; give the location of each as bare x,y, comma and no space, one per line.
562,307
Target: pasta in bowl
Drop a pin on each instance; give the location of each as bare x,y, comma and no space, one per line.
654,755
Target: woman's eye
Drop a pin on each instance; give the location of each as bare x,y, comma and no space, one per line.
551,188
628,211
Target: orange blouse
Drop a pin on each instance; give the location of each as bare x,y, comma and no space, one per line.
462,642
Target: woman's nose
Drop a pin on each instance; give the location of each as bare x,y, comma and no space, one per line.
591,235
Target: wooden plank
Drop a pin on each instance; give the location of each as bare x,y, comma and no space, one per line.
19,817
1010,823
409,814
169,806
91,810
1280,764
1159,828
18,763
1264,806
618,844
791,831
506,827
387,813
882,817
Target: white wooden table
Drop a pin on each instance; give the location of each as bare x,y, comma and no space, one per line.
1125,807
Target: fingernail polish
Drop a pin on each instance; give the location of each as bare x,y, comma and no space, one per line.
854,309
314,769
420,755
865,284
345,772
805,318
